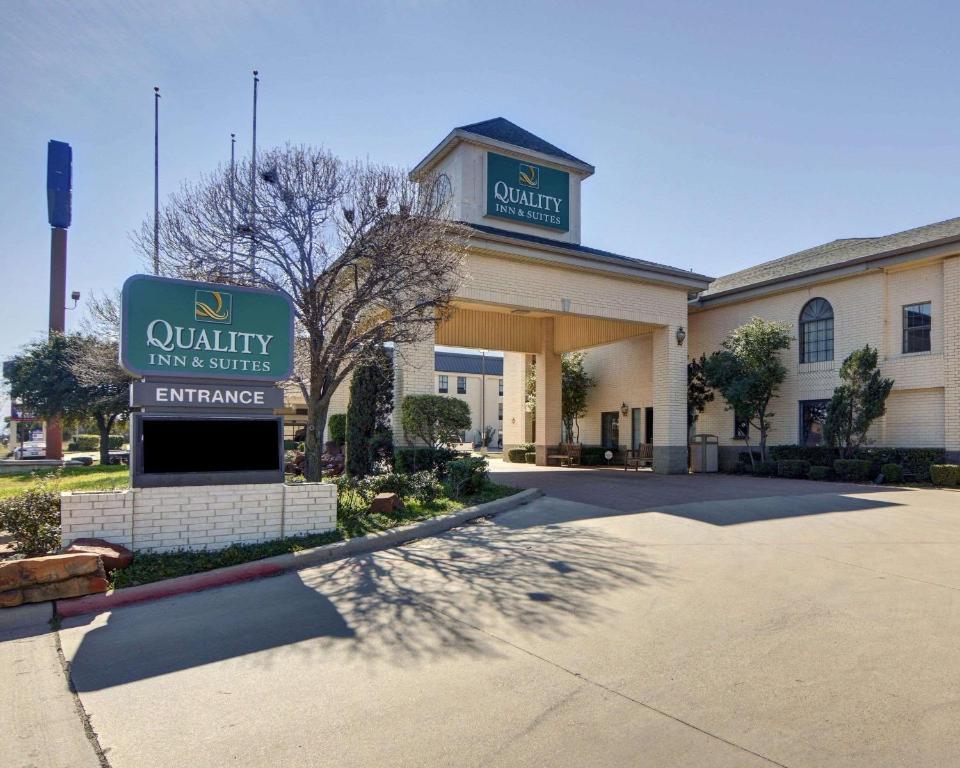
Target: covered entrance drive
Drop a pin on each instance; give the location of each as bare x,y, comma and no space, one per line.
535,300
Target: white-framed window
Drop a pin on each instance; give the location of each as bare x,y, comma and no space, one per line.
443,385
461,385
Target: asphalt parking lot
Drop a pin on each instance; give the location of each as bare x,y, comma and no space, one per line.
622,620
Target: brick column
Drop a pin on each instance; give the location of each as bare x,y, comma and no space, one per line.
951,357
413,374
514,396
548,421
669,402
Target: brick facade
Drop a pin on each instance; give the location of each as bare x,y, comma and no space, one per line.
199,517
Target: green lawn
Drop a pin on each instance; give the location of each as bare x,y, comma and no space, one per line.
94,478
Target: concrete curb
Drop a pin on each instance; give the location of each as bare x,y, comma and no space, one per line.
306,558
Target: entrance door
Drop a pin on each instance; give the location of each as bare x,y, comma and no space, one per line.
610,429
636,433
648,426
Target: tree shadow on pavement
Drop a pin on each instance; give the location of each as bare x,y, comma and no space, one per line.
430,597
418,602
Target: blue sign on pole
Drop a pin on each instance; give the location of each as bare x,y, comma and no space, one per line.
59,162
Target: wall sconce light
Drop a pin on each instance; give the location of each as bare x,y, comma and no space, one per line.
681,335
624,409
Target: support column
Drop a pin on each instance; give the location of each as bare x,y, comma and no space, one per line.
951,357
548,415
669,402
413,374
514,400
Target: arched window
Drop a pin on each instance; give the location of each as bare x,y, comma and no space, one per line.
816,331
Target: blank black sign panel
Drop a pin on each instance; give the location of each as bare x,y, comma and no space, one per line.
210,445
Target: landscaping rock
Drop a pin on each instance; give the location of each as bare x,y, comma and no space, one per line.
75,587
114,556
385,503
11,598
15,574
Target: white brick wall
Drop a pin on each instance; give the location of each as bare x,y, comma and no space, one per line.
199,517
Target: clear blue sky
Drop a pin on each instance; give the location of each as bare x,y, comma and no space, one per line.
723,133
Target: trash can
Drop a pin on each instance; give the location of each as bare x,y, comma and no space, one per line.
703,453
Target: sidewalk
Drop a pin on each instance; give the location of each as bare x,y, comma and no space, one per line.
40,724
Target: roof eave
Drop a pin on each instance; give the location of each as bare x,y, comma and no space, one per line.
931,249
458,135
641,270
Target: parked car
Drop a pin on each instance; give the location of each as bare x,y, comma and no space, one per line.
35,449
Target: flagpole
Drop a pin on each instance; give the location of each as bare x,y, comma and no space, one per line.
156,180
233,142
253,177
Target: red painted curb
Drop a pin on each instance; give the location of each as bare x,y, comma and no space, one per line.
195,582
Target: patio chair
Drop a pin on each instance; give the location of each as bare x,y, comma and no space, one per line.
638,457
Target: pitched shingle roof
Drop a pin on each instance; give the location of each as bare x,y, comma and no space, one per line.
833,254
465,362
501,129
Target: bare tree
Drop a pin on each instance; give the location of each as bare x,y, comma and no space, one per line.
366,255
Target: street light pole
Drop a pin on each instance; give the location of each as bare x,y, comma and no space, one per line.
253,178
156,180
233,143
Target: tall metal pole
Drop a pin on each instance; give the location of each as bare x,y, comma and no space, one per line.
59,191
233,142
156,180
253,178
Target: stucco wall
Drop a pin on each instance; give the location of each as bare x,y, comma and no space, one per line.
867,310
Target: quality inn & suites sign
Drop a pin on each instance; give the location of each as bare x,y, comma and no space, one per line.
523,191
178,328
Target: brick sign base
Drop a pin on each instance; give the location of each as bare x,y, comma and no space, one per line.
198,517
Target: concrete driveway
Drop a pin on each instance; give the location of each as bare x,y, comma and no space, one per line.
624,621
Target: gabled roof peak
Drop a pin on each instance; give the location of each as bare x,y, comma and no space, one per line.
500,131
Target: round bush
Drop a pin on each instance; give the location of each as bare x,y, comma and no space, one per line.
765,469
892,473
531,458
945,474
517,455
820,473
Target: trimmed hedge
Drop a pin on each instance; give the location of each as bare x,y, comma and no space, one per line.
915,462
892,473
518,455
945,474
818,472
531,457
793,468
420,458
852,470
765,469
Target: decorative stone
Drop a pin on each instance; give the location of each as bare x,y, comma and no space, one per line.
385,503
11,598
30,571
114,556
59,590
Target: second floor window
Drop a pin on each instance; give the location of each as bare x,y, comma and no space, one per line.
816,331
461,385
443,386
917,320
